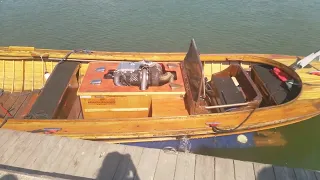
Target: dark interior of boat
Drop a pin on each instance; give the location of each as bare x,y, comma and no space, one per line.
158,89
234,88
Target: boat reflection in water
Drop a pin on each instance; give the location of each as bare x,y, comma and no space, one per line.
247,140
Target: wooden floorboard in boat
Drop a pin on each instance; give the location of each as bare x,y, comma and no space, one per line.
4,97
16,106
50,156
26,104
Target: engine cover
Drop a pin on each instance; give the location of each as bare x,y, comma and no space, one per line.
143,74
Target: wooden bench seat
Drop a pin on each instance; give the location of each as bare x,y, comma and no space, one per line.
226,92
56,98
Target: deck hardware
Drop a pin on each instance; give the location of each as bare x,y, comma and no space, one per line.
306,60
96,82
100,69
212,124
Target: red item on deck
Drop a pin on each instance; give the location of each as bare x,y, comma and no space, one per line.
280,74
5,111
315,73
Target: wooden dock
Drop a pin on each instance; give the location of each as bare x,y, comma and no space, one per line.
26,155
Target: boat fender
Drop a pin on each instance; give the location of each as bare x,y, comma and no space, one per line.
46,75
242,139
280,74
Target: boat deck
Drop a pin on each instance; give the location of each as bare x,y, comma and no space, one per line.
19,104
36,156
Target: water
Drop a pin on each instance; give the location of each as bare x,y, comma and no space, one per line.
256,26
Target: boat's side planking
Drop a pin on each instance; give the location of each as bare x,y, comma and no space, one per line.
193,126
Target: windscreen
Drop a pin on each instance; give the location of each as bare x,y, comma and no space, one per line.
194,71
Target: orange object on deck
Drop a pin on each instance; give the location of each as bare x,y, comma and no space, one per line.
315,73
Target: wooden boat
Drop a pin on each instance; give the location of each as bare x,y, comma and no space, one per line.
80,94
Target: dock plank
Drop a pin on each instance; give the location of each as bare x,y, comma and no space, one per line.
11,150
301,174
185,166
21,160
88,153
77,158
204,169
105,162
244,170
5,136
284,173
51,158
310,175
166,166
65,156
10,142
264,171
55,156
40,154
127,166
317,174
224,165
147,164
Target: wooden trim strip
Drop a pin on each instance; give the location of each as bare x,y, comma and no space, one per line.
227,105
116,109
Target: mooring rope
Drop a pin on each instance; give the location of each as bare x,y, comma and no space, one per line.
219,130
74,51
170,150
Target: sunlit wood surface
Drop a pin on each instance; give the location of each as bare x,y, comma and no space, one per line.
35,156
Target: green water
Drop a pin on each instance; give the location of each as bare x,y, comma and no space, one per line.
256,26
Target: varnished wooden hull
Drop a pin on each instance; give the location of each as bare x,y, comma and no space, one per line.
305,106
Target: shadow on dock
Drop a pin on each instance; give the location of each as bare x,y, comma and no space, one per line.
265,173
124,167
9,177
